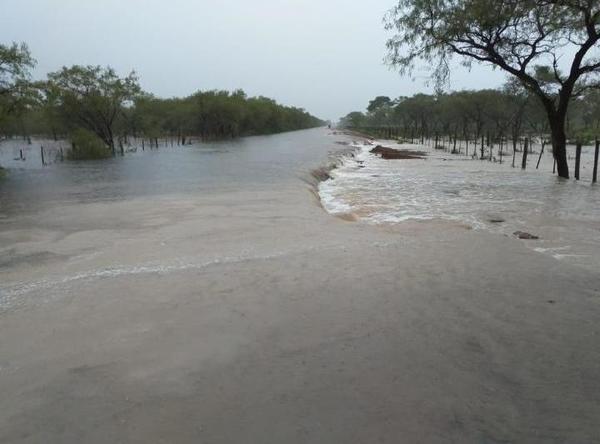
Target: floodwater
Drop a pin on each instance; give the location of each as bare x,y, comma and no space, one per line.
201,294
198,168
483,195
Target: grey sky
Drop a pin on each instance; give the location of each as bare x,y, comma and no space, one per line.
323,55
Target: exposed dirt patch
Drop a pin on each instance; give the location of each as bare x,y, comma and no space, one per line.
392,154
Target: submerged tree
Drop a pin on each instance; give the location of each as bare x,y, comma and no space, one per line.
526,38
93,98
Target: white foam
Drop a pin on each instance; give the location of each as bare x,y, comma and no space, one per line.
10,296
468,191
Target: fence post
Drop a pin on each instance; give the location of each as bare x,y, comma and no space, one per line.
597,151
541,152
577,160
42,154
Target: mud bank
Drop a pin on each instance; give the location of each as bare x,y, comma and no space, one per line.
395,154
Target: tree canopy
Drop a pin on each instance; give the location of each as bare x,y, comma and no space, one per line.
379,102
15,65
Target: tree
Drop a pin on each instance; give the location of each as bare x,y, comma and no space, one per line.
94,98
15,65
379,102
525,38
355,119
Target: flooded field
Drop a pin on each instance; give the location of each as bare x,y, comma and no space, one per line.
198,168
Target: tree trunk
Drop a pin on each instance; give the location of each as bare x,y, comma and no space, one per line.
109,139
525,152
559,145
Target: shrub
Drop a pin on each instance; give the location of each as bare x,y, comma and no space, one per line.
585,136
87,146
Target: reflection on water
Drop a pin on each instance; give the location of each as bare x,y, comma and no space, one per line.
197,168
485,195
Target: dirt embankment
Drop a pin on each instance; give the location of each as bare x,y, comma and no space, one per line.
391,153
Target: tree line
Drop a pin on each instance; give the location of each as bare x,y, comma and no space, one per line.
98,110
509,113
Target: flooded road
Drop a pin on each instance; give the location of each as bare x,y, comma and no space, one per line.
201,294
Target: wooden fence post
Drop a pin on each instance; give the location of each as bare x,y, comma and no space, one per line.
596,153
577,160
42,154
541,152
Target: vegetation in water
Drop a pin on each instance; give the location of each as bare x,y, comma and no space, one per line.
508,113
91,100
87,146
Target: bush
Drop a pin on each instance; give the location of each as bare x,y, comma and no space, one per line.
585,136
87,146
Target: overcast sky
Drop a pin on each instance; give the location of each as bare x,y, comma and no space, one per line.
322,55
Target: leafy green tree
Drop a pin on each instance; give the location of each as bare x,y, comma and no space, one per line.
379,102
15,65
94,98
355,119
525,38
